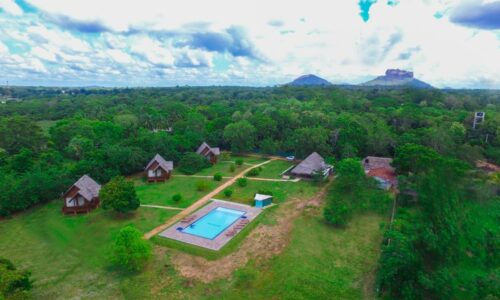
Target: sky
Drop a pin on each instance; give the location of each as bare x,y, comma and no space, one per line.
446,43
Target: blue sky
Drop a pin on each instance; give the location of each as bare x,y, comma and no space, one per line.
230,42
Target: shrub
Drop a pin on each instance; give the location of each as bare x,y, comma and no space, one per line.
14,284
130,250
239,161
242,182
177,197
119,194
265,192
192,163
253,172
337,212
232,168
228,193
225,156
318,177
217,176
202,186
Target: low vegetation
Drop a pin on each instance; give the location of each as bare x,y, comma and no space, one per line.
353,192
130,250
192,163
14,283
119,194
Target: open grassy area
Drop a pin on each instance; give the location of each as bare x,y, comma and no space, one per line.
67,255
319,263
161,193
274,169
223,166
281,191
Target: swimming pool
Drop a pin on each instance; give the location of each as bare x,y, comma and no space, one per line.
212,224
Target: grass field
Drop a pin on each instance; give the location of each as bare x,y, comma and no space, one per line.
320,262
274,169
68,258
281,191
67,255
161,193
223,166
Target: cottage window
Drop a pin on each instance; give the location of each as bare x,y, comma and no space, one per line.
158,172
151,173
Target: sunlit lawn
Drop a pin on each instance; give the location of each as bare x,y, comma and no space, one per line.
161,193
223,166
281,191
274,169
67,255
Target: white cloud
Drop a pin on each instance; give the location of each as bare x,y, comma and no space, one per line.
3,49
323,37
10,7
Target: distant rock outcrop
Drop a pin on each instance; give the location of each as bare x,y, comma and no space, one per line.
309,80
397,78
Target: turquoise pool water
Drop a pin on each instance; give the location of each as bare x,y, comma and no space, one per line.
212,224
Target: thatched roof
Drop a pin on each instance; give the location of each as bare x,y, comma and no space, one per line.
313,163
215,150
165,165
88,188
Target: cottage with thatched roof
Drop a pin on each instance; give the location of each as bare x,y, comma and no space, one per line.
313,164
210,153
158,169
381,169
82,196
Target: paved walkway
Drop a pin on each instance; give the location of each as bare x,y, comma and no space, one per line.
200,202
162,207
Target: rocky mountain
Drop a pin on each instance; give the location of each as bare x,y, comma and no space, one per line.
309,80
397,78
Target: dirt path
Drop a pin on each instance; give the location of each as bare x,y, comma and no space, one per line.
262,243
200,202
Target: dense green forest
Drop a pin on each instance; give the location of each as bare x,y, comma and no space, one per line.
444,242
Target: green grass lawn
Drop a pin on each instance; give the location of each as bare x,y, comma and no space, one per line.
220,167
67,255
161,193
223,166
319,263
281,191
274,169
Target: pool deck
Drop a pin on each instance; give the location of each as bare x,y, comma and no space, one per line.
218,242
